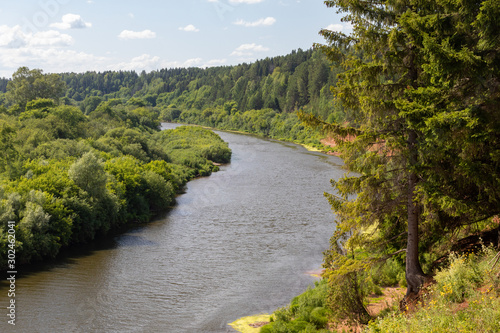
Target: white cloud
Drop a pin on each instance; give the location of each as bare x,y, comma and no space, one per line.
51,60
193,62
189,28
268,21
50,38
12,37
145,34
215,62
15,38
246,1
143,62
339,27
71,21
246,50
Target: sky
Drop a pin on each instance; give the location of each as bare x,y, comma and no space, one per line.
98,35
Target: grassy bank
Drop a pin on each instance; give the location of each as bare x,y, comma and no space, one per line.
464,298
266,123
67,178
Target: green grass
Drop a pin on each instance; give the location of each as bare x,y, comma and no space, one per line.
242,325
465,298
306,313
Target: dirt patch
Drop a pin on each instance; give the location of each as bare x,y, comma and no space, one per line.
258,324
460,307
345,327
316,273
377,303
391,296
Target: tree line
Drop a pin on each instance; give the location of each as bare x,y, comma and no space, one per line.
284,84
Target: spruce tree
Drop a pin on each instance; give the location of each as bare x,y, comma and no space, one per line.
421,87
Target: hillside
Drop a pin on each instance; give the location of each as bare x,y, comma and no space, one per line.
301,79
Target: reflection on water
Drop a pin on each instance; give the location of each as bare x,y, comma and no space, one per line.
237,243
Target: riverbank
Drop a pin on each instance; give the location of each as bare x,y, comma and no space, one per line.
90,190
250,324
253,324
235,243
317,144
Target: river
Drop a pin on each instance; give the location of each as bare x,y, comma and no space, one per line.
237,243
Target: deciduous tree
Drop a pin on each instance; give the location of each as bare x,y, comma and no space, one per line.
28,85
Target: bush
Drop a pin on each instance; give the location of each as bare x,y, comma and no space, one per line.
388,274
346,297
306,312
464,299
460,279
319,317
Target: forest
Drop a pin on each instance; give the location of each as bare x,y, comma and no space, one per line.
68,178
261,97
410,97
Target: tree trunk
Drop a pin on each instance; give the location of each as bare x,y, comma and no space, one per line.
414,274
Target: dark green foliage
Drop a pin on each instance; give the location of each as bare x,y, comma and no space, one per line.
7,147
420,92
284,84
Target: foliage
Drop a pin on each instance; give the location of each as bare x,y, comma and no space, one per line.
306,313
258,98
264,122
347,282
88,174
285,83
67,178
194,147
28,85
390,273
458,281
465,299
419,132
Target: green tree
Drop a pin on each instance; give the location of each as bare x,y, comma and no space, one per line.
28,85
379,68
9,152
460,47
407,87
89,174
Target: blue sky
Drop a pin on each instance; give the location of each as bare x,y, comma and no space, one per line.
82,35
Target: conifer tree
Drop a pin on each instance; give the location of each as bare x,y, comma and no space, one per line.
421,85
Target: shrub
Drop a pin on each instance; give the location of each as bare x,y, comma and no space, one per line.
459,280
469,280
388,274
306,312
319,317
346,297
